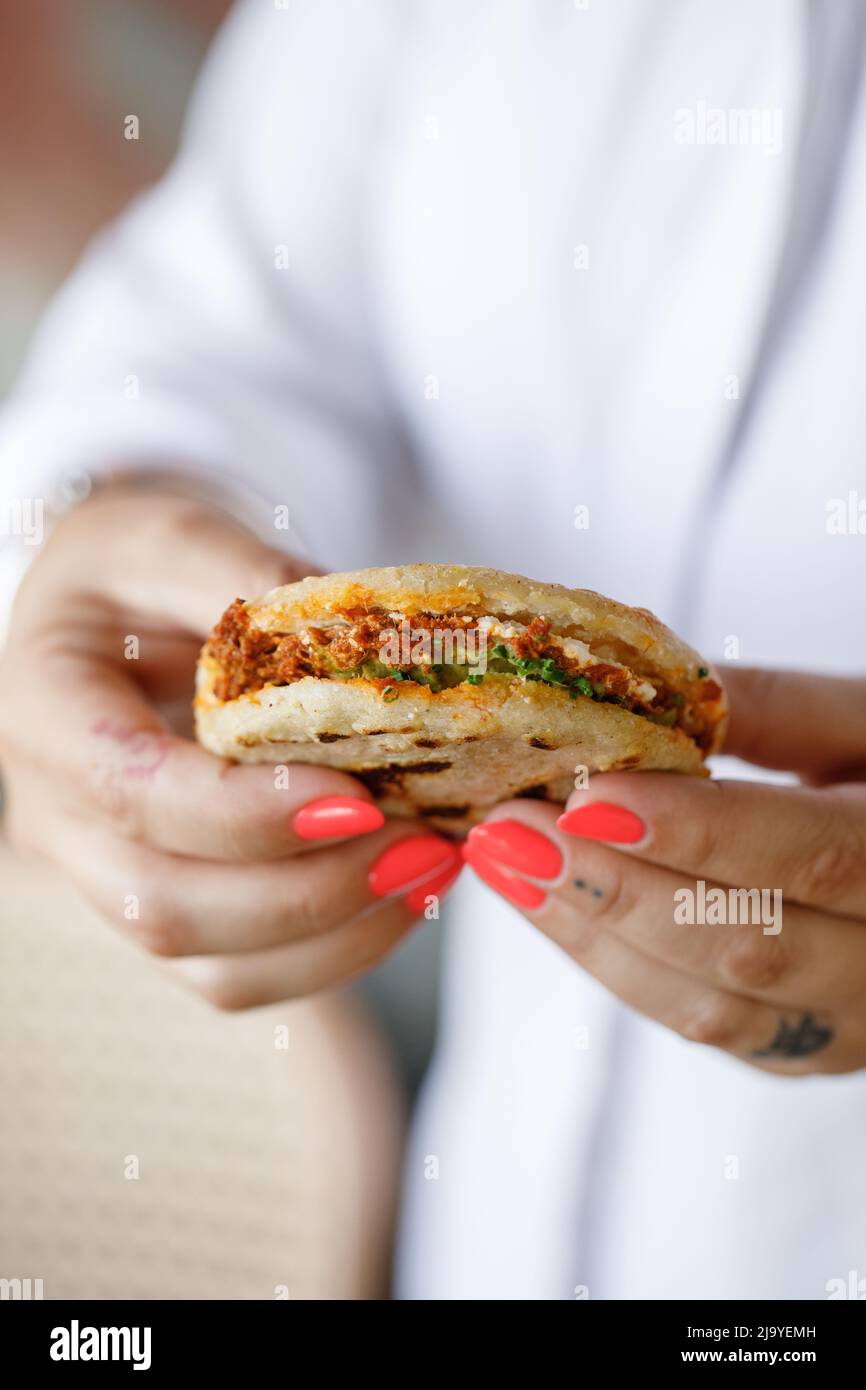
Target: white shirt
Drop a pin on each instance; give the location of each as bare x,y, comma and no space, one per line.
521,280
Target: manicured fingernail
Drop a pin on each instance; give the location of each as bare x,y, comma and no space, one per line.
418,900
411,863
518,846
602,820
516,890
334,816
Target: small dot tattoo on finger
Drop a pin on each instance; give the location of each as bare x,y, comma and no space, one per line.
582,883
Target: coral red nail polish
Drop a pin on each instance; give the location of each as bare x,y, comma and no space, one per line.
516,890
518,846
416,901
411,863
602,820
333,816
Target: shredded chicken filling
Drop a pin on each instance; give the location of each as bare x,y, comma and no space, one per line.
440,651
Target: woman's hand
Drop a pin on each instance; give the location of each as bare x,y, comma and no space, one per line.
624,878
263,892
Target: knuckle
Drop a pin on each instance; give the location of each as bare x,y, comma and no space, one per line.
712,1022
183,517
220,986
753,961
832,868
247,829
615,900
236,833
160,925
579,936
108,794
706,832
162,933
122,773
304,912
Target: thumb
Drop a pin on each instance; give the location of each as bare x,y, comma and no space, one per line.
797,722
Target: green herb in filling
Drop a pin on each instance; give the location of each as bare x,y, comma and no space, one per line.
501,662
669,718
584,687
546,669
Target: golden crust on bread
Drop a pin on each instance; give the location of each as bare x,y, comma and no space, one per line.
469,589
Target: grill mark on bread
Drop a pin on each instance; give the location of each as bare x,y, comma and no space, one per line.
253,740
375,733
540,743
537,793
378,780
330,738
622,764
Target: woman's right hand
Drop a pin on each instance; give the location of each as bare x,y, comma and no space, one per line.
260,892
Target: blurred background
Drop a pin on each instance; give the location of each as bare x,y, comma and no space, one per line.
70,71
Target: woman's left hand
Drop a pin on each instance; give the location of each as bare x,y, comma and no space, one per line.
637,881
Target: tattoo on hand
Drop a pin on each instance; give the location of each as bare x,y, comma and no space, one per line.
582,883
797,1039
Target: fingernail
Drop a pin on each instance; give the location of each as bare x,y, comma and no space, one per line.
602,820
334,816
518,846
416,901
411,863
516,890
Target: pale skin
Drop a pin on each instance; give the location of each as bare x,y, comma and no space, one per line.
793,1002
247,913
95,779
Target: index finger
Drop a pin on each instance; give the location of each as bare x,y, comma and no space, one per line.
116,760
807,842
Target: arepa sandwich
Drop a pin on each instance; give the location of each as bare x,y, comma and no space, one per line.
446,688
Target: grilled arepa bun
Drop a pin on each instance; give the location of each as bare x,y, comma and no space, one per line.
446,688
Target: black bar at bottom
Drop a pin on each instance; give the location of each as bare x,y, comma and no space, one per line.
160,1338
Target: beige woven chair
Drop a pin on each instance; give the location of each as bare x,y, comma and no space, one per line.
261,1172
